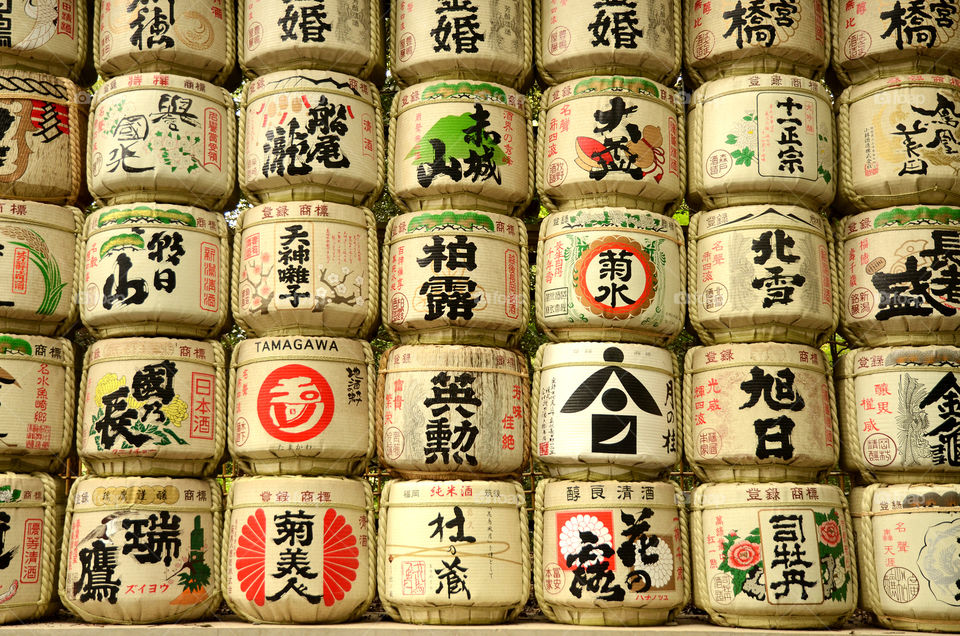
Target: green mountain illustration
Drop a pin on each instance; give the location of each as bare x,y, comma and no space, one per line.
449,130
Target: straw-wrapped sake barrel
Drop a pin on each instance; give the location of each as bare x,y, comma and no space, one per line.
165,138
48,37
611,274
141,550
774,262
629,536
605,410
453,411
899,413
453,552
759,412
40,256
460,145
773,555
311,135
338,35
322,525
196,38
38,401
611,140
301,405
760,140
456,276
152,406
487,40
155,269
907,538
898,273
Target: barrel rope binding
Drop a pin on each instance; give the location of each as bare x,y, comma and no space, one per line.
230,28
686,427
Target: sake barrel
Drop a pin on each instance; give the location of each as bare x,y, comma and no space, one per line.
460,144
898,272
907,539
452,411
41,257
605,410
152,406
610,274
301,405
141,267
453,552
773,555
141,550
456,276
324,525
42,137
761,260
340,35
38,392
611,140
487,40
724,39
165,138
630,535
761,139
759,412
311,135
576,39
49,37
196,38
898,142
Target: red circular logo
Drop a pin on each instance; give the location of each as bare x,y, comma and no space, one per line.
295,403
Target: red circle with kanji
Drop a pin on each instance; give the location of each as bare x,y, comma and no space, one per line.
295,403
587,277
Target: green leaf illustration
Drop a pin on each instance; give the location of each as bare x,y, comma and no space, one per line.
731,139
826,174
750,117
743,156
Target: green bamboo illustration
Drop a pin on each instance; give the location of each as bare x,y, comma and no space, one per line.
41,257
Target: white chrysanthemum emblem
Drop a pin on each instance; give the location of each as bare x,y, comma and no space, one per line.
572,544
661,571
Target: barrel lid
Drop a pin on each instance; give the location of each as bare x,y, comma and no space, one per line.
299,211
605,219
292,348
467,222
745,217
860,91
461,90
19,490
164,82
766,495
310,81
474,493
573,354
643,494
919,215
126,493
40,349
905,499
861,361
155,214
59,217
758,82
629,87
200,351
700,359
329,491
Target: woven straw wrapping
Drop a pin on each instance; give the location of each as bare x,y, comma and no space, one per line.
876,254
164,138
484,41
423,254
196,38
576,435
103,515
46,37
575,166
574,301
334,531
152,406
302,405
497,563
427,118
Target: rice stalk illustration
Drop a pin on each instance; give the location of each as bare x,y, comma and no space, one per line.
41,257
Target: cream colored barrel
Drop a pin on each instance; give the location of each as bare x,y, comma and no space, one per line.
453,411
47,37
896,413
759,140
773,555
456,277
770,261
632,536
39,401
611,140
897,271
907,539
759,412
165,138
898,141
311,135
453,552
339,35
152,406
141,550
462,145
41,259
611,274
323,525
43,122
155,269
193,37
605,411
486,40
301,405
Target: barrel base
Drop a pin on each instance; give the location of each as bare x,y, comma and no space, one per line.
713,70
773,472
609,616
310,466
30,463
170,330
904,477
919,624
764,333
610,200
606,334
456,615
148,467
483,337
808,621
602,472
459,201
310,192
903,339
34,327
